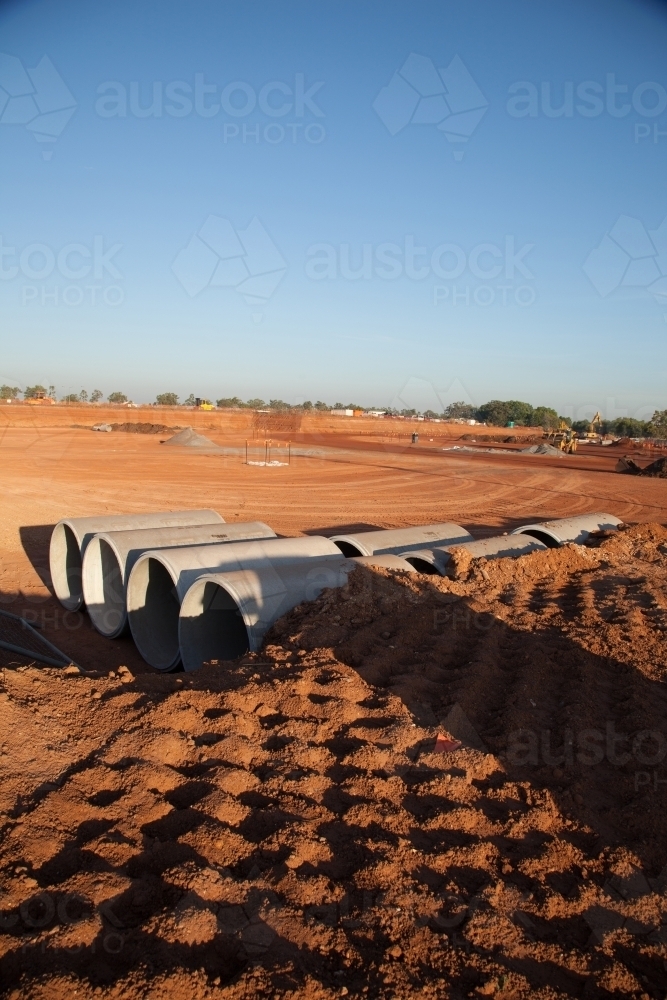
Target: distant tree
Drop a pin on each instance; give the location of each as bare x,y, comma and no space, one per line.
278,404
319,405
544,416
117,397
431,414
96,395
580,426
52,392
167,399
8,392
627,427
408,413
460,411
307,405
354,406
31,391
190,401
83,396
338,406
72,397
255,404
229,401
658,424
565,420
501,412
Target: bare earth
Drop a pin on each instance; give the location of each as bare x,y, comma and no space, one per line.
283,825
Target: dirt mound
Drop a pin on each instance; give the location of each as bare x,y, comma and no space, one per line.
656,470
188,438
543,449
144,428
525,439
421,785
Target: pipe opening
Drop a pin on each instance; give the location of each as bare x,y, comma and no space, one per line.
422,565
349,550
153,609
65,560
104,589
543,536
211,626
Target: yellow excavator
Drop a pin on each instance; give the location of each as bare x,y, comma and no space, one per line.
594,428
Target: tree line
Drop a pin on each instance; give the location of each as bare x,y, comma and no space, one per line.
497,412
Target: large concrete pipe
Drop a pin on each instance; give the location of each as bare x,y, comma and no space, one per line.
71,536
161,578
110,556
569,529
223,615
396,540
388,561
436,560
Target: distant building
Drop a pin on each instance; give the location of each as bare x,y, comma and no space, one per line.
342,413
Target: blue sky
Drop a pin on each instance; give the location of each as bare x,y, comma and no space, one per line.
186,292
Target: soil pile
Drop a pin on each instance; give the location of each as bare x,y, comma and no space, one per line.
656,470
130,428
188,438
304,823
525,439
543,449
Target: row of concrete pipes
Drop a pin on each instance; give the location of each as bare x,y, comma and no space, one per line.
192,588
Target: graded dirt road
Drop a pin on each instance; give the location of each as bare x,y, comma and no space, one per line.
284,825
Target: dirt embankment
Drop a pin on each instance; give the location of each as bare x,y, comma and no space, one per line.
282,826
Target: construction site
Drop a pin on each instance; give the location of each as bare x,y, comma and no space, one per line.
304,706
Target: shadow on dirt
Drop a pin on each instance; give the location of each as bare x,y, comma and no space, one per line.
454,836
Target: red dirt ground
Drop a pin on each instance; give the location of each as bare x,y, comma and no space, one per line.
281,825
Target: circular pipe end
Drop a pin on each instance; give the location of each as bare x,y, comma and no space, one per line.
104,588
153,606
211,626
65,566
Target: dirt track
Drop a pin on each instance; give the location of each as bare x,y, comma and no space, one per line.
281,825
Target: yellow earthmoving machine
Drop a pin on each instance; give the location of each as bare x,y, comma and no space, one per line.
562,437
594,428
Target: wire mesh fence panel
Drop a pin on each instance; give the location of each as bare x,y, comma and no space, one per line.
20,642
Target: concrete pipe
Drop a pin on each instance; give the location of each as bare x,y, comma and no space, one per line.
397,540
224,615
389,561
160,580
435,560
71,536
110,556
569,529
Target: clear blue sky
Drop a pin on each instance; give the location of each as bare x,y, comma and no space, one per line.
239,309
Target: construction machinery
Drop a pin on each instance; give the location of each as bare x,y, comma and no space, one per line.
562,437
594,428
39,398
